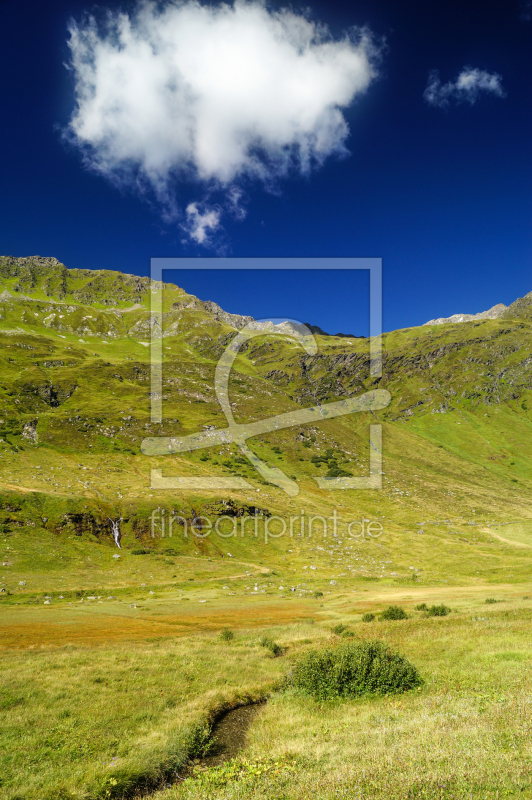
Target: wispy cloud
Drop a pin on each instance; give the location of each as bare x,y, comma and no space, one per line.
469,85
526,10
213,95
201,223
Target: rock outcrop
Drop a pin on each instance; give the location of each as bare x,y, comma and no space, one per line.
492,313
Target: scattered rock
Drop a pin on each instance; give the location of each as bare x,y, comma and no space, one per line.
29,431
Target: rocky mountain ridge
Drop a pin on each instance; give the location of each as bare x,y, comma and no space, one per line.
47,279
499,310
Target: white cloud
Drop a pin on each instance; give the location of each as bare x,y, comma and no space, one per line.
200,225
468,86
212,94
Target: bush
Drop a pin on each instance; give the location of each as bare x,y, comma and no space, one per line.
491,600
394,612
438,611
368,617
317,594
226,635
422,607
339,629
354,669
337,472
142,551
274,648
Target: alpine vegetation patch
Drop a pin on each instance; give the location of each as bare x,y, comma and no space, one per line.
354,669
394,613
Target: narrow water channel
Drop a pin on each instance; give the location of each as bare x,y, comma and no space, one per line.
229,735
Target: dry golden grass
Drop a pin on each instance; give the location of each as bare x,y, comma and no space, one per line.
93,629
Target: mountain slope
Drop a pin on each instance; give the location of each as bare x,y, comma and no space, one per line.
75,408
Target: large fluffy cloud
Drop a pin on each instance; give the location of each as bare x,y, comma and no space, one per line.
214,94
468,86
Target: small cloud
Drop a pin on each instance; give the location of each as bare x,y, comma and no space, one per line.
201,224
467,87
235,197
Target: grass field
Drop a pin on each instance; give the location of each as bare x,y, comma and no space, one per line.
103,714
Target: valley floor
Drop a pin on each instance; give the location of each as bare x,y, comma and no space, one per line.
100,698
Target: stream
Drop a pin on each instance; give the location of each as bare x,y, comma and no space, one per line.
228,737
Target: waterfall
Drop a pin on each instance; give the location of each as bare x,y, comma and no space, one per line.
115,530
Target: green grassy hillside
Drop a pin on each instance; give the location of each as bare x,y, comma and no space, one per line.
75,407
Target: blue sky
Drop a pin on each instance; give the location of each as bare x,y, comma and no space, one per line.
441,190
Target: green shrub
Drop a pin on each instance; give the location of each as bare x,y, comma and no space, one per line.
274,648
438,611
339,629
141,551
317,594
337,472
368,617
354,669
490,600
394,612
421,607
227,635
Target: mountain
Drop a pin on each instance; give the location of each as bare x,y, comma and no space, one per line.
75,407
492,313
521,307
